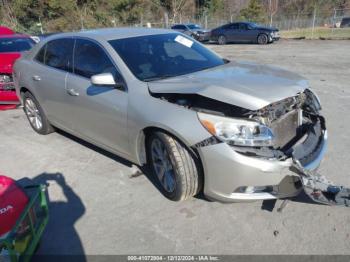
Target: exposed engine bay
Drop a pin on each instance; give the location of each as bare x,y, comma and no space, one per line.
290,119
298,131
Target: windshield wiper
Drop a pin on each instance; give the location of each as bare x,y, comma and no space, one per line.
154,78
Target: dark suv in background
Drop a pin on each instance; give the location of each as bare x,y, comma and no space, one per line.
193,30
244,32
345,22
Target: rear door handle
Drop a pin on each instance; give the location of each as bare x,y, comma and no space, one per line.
72,92
36,78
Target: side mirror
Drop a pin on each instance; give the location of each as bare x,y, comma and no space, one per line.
104,79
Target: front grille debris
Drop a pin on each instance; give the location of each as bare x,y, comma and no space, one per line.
321,190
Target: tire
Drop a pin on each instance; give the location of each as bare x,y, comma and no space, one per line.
181,167
263,39
35,115
222,40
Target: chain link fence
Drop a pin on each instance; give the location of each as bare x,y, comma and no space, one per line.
299,25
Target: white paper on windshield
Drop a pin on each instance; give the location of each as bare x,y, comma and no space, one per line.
184,41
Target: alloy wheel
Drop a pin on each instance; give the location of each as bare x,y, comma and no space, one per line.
33,114
222,40
262,39
162,165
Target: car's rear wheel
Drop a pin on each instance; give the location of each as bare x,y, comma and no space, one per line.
36,115
174,166
263,39
222,40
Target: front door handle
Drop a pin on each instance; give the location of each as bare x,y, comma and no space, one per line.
36,78
72,92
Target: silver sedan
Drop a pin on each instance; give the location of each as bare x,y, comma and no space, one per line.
157,97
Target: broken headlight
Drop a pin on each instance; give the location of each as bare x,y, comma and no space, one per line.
236,131
5,79
313,100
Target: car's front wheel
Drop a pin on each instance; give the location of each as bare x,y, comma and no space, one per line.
263,39
174,166
36,115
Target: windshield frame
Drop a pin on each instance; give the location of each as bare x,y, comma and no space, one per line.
220,60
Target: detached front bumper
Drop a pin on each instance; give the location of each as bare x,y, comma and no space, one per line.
233,177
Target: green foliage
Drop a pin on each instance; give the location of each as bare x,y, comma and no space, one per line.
216,7
253,12
126,11
68,15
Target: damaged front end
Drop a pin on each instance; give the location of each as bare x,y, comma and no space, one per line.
288,130
299,131
8,97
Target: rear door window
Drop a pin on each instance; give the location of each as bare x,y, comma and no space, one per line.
242,27
179,27
59,54
234,26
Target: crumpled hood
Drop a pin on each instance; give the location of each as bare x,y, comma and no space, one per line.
242,84
7,60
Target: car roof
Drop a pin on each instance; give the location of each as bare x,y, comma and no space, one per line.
114,33
15,36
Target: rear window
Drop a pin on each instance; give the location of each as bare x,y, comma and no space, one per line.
194,27
8,45
181,27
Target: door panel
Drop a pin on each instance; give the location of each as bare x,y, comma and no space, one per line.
97,112
49,74
232,33
246,34
51,88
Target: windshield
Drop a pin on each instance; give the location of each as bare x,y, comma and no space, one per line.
194,26
155,57
15,44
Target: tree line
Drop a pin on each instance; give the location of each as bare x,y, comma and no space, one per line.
33,16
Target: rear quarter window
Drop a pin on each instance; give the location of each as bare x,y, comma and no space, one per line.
40,57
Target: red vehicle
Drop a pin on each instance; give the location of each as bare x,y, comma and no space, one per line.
11,47
5,31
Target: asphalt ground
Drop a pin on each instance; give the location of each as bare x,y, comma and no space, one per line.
97,207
